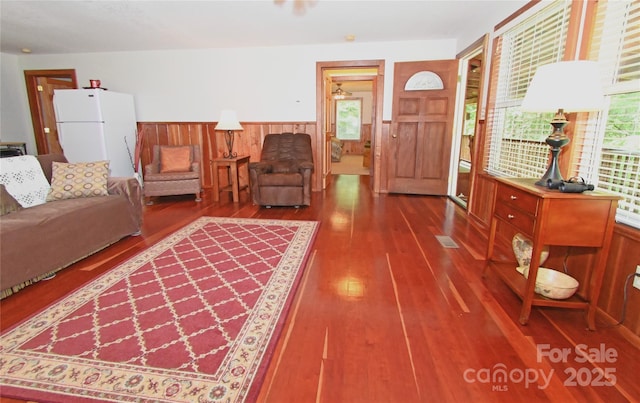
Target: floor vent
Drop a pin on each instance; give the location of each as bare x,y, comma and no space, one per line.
446,241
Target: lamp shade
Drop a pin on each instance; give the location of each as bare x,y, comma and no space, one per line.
228,121
573,86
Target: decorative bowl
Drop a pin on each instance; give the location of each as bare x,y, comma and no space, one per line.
523,248
554,284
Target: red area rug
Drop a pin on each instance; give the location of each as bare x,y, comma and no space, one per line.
194,318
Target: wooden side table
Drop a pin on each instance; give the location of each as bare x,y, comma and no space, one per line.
231,164
549,217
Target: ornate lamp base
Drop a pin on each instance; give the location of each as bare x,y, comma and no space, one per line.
556,141
228,138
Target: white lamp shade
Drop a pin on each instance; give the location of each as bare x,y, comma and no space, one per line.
228,121
573,86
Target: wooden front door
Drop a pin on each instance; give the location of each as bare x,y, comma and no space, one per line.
422,126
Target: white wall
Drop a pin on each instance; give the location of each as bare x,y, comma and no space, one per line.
15,120
262,84
269,84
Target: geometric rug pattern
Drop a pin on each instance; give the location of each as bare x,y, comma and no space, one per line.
193,318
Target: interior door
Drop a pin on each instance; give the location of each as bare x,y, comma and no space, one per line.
40,85
468,121
422,126
46,85
326,129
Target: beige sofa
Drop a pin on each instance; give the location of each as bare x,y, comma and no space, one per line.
43,239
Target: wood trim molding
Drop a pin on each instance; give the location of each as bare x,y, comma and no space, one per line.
516,14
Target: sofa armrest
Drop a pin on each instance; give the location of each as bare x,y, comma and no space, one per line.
131,189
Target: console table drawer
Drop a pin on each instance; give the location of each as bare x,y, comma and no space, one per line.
516,198
522,221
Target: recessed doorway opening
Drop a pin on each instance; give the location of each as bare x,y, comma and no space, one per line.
469,119
356,83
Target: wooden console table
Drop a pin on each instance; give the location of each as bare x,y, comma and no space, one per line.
231,164
550,217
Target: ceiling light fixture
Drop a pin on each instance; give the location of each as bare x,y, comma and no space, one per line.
350,38
25,50
299,6
339,93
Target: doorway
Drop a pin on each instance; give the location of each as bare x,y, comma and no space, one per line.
40,85
356,74
419,150
350,121
469,119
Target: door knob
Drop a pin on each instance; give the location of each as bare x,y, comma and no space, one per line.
394,136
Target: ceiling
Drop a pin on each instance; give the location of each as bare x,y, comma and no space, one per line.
54,27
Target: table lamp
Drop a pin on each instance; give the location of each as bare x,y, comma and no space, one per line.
228,121
572,86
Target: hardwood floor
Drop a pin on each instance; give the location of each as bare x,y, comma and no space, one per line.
385,313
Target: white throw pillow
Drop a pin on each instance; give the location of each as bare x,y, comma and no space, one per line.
24,180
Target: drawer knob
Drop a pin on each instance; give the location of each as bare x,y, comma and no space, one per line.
511,216
513,197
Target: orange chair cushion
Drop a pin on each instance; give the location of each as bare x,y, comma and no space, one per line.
175,159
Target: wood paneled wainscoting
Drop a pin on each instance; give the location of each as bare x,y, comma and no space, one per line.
624,255
247,142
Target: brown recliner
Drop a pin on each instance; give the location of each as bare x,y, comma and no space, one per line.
182,178
283,175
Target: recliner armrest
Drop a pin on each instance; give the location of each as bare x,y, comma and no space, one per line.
261,167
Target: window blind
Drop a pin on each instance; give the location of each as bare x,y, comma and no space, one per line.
610,156
515,141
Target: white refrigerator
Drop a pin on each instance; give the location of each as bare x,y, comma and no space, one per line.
96,125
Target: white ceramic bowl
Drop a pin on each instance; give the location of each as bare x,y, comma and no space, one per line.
554,284
523,248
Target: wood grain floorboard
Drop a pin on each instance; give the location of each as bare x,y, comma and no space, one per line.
385,313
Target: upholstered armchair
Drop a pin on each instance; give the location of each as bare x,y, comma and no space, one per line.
174,170
283,175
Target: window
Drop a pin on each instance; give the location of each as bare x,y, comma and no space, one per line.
605,145
610,156
348,119
515,141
